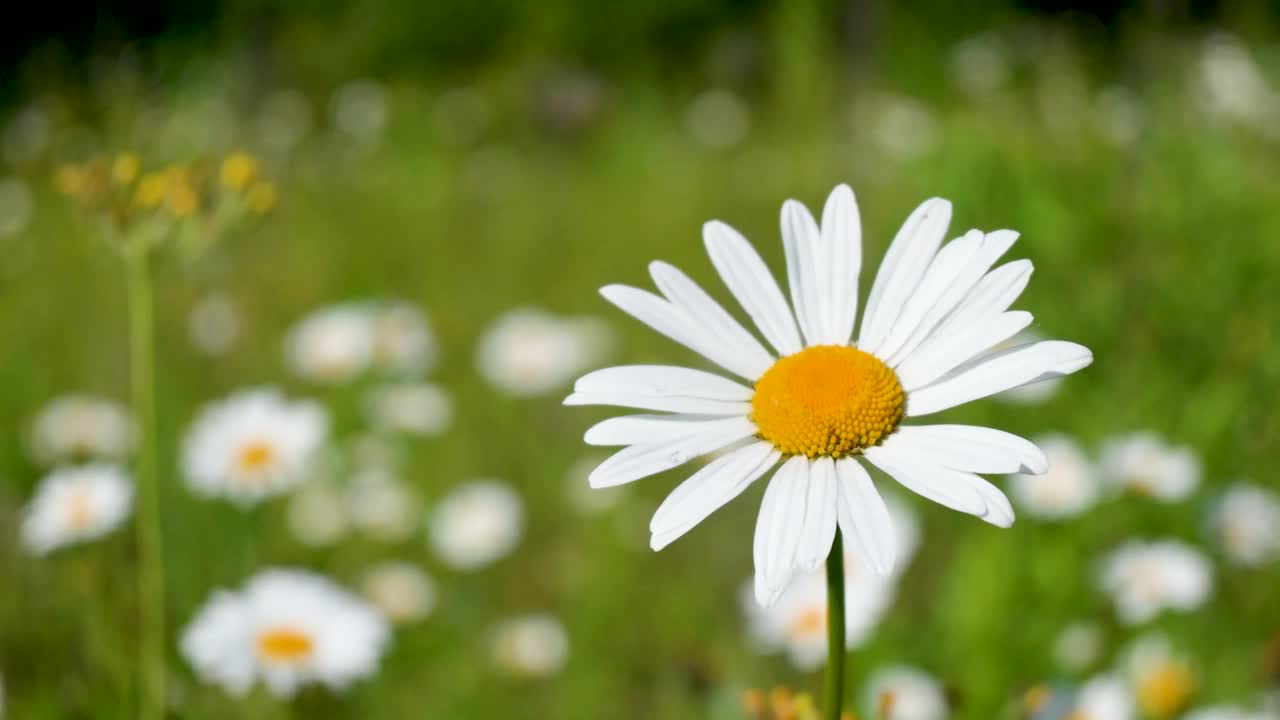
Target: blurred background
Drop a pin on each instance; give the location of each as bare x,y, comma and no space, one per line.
435,192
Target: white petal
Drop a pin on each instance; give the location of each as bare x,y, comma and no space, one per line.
842,246
671,321
800,237
647,429
928,480
708,490
992,295
663,381
942,354
778,529
864,517
711,319
674,404
820,515
748,278
640,461
975,449
904,264
946,267
999,372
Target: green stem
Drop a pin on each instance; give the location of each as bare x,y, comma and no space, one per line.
833,694
151,642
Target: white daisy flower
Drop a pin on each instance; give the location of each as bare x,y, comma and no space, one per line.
253,445
287,628
1162,679
905,693
317,514
401,590
530,352
1145,464
78,427
1146,578
332,345
1078,646
1106,697
797,622
1033,393
412,408
75,504
477,524
827,406
532,645
1246,523
381,505
1069,487
402,340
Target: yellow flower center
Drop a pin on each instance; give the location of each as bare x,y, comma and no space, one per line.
256,457
285,645
808,622
79,510
827,400
1165,691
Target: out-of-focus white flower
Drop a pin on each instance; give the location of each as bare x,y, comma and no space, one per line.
530,352
1162,680
16,204
905,693
1145,464
476,524
214,325
412,408
76,504
253,445
1120,115
75,427
584,498
317,514
1246,523
402,339
287,628
718,118
1145,578
1067,489
1228,712
378,451
284,121
797,622
382,505
1106,697
979,65
401,590
360,109
1231,86
1078,646
332,345
905,127
533,645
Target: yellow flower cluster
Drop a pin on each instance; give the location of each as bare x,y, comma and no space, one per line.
781,703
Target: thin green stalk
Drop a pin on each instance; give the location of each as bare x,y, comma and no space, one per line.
151,655
833,695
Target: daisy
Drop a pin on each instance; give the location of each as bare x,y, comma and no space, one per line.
1069,487
531,352
1106,697
318,515
79,427
905,693
531,645
820,405
253,445
287,628
1145,578
413,408
401,590
402,340
1145,464
332,345
1246,523
477,524
1078,646
1162,679
382,505
76,504
797,622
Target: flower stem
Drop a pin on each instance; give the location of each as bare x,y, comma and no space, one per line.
150,540
833,694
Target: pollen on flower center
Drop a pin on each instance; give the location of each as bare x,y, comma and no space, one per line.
827,400
256,456
809,622
284,645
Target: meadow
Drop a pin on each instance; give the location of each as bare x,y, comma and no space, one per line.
1141,177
